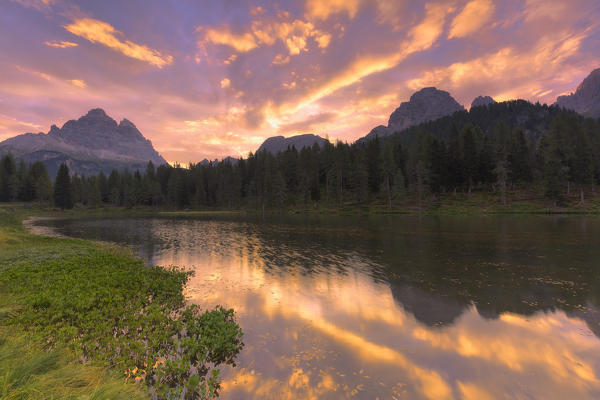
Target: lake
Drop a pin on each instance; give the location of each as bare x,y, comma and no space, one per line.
390,307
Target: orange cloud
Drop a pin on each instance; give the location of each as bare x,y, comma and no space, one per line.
475,15
62,45
225,83
78,82
280,59
223,36
425,34
510,66
471,391
10,125
97,31
322,9
536,9
294,34
421,37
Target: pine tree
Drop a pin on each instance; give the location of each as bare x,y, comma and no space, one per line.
62,188
388,168
42,186
9,186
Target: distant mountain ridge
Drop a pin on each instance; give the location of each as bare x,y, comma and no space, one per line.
586,99
92,144
482,101
427,104
276,144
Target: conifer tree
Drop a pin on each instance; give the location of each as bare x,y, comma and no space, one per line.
62,188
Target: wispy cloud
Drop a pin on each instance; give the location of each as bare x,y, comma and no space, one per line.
421,37
307,125
475,15
508,73
78,82
62,44
97,31
324,8
293,33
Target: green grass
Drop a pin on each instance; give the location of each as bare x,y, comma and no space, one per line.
521,201
28,371
199,213
65,300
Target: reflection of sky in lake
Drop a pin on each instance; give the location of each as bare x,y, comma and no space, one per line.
433,309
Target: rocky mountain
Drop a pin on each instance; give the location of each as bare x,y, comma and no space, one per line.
482,101
231,160
276,144
586,99
427,104
89,145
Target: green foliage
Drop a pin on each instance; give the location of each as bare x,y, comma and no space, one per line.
109,308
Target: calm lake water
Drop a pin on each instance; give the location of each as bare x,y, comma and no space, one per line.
391,307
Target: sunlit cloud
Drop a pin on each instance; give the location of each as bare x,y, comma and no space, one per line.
294,34
62,44
41,5
223,36
324,8
225,83
78,82
420,38
470,391
280,59
8,125
97,31
307,125
476,14
511,67
538,9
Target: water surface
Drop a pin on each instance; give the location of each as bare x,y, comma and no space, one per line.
391,307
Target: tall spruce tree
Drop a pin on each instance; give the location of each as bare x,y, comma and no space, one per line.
62,188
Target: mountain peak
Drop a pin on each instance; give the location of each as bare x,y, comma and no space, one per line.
92,143
482,101
424,105
96,112
126,123
586,99
276,144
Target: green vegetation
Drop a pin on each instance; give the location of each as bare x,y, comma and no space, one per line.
30,371
63,300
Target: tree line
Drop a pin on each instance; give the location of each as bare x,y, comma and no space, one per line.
421,165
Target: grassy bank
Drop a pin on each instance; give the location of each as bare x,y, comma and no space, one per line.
84,319
522,201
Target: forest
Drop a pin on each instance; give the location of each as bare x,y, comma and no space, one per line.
494,149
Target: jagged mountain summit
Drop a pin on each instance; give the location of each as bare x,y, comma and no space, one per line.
276,144
482,101
586,99
89,145
427,104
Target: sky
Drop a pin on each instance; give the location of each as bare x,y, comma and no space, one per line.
214,78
